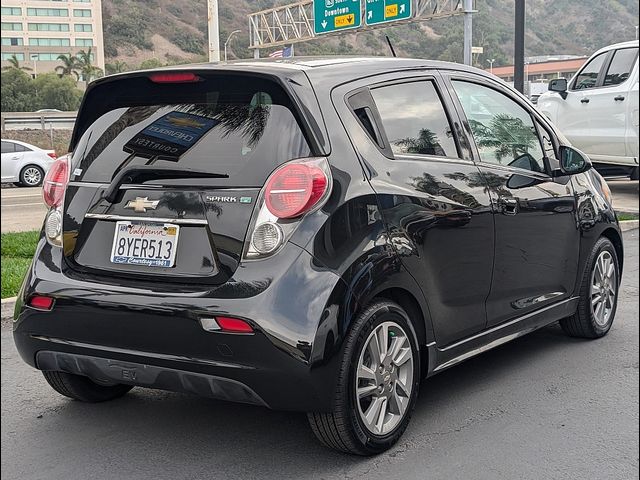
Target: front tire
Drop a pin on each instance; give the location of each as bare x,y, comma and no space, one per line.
31,176
377,383
82,388
598,294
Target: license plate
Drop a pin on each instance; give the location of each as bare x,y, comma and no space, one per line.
149,244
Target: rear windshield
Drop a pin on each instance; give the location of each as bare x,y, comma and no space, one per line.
244,132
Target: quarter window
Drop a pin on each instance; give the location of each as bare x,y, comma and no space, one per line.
414,119
588,76
504,131
8,147
621,66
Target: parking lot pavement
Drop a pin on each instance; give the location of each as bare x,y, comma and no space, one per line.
625,195
22,209
545,406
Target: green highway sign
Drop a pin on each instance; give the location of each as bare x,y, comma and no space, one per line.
336,15
383,11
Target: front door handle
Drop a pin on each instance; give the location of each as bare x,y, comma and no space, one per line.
509,206
584,100
619,98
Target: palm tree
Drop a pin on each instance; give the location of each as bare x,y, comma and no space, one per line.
88,71
14,63
70,65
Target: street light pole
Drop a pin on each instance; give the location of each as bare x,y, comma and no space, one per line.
518,54
227,42
468,31
214,31
34,59
491,60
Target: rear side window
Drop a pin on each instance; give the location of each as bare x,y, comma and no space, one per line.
621,65
21,148
8,147
244,131
414,119
588,76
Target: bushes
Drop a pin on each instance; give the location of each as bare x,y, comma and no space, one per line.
21,93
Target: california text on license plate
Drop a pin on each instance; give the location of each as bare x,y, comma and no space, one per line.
150,244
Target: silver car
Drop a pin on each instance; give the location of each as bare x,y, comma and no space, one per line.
25,164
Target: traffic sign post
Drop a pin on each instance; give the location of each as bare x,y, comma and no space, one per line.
383,11
335,15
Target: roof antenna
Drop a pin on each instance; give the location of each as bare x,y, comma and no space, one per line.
393,52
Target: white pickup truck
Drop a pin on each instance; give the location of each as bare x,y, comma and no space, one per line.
597,110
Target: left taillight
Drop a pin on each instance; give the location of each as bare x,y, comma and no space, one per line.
55,182
52,155
53,188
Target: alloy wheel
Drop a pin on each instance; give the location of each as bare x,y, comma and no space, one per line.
603,288
32,176
384,379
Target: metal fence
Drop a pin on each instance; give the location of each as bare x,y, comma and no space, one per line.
37,121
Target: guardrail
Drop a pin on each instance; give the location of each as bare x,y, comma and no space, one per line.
37,121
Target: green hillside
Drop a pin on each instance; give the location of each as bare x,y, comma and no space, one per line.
174,31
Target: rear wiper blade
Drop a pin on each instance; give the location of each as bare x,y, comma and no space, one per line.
144,173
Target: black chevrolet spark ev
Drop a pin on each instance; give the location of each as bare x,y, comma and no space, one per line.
315,235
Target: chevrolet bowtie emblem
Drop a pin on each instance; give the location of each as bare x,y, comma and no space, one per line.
141,204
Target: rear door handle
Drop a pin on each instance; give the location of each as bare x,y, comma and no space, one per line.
509,206
584,100
619,98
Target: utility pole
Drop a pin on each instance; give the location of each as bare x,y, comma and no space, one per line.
468,31
518,54
214,31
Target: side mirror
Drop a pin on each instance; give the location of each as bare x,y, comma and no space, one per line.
572,161
559,85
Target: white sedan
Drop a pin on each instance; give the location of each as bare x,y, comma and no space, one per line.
24,164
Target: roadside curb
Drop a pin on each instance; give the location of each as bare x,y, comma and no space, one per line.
8,304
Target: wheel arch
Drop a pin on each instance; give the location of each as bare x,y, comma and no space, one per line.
614,236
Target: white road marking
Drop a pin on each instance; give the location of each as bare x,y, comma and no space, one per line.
23,204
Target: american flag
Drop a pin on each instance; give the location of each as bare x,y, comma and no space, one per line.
284,53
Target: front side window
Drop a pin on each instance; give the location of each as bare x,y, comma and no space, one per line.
414,119
588,76
620,68
504,131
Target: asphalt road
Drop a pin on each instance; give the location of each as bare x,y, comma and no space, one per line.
22,209
625,195
542,407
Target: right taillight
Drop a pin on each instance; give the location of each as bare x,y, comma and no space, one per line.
292,191
53,188
55,182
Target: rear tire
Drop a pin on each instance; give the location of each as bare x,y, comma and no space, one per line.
598,294
346,428
31,176
82,388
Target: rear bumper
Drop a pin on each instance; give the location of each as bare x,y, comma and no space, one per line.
110,372
153,338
